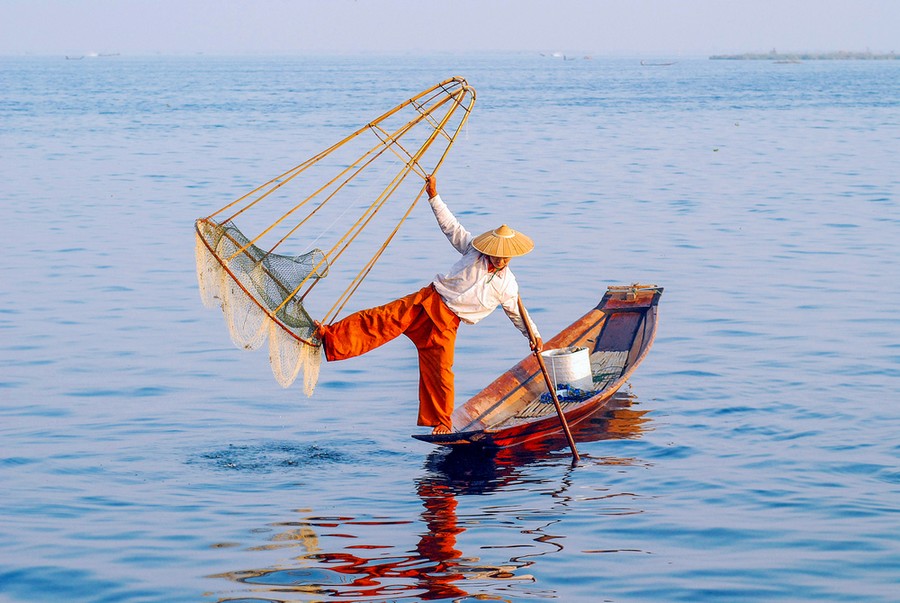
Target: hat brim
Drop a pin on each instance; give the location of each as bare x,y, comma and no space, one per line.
503,242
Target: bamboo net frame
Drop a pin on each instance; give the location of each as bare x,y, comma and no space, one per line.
264,289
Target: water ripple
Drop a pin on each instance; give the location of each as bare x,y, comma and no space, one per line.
267,457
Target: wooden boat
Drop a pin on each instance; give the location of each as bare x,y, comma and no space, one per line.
513,409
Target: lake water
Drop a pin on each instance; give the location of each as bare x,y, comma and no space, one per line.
752,457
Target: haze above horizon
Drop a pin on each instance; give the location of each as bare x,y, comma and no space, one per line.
645,27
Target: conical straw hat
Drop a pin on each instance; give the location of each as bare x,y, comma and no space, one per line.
503,242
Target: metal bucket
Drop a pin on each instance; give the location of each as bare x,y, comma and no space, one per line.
569,366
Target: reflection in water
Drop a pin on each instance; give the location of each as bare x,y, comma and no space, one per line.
343,570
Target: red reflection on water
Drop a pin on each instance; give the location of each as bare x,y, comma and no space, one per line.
436,569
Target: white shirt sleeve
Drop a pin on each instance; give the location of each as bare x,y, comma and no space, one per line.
458,236
511,307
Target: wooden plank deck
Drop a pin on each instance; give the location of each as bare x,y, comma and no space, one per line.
606,367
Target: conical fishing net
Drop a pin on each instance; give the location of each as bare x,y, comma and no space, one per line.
255,291
355,193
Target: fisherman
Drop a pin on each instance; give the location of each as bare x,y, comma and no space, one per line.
476,284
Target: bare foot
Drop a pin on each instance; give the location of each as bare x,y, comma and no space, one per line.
440,430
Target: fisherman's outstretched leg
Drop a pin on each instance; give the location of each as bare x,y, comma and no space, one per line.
365,330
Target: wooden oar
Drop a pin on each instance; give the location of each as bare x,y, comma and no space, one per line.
550,385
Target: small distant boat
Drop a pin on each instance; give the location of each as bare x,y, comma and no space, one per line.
513,409
564,57
91,55
657,64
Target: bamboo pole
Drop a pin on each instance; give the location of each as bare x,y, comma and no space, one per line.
550,385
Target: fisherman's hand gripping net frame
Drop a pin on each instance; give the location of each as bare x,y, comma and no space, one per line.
333,215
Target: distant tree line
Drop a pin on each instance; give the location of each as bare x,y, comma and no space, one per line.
774,55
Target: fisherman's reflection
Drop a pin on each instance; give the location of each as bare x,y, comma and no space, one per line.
438,542
437,568
465,470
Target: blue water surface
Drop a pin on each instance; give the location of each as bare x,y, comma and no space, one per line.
753,456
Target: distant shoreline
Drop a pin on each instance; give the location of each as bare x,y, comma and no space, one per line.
807,56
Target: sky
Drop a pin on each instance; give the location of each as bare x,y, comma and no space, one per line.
596,27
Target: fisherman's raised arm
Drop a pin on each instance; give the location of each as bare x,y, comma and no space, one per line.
458,236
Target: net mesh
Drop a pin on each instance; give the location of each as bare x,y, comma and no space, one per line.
255,290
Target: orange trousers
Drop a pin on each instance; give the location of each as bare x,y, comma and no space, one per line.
428,322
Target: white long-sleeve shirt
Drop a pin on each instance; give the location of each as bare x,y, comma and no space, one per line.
473,289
